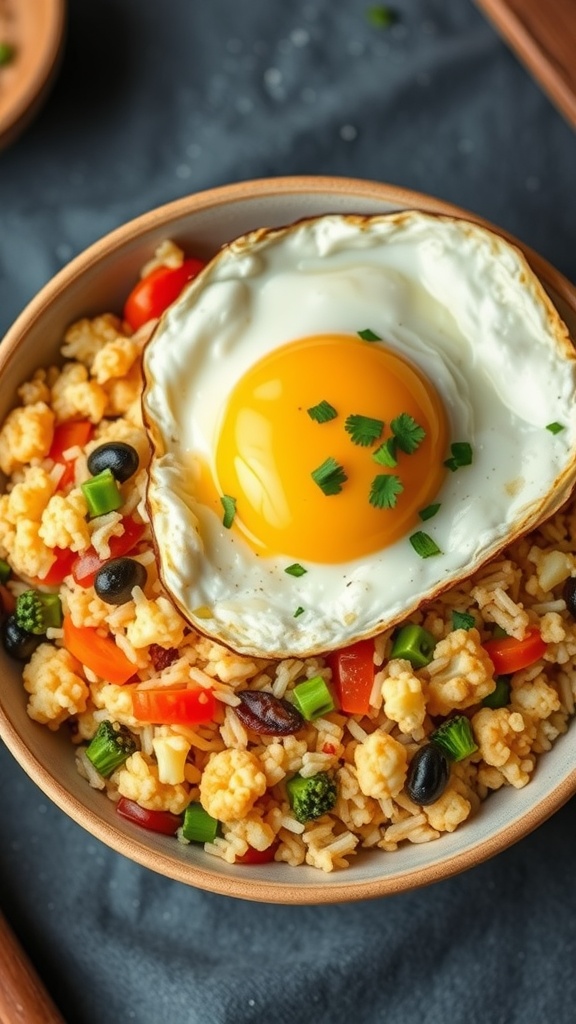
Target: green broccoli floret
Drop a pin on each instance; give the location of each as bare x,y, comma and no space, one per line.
110,747
455,738
313,797
36,612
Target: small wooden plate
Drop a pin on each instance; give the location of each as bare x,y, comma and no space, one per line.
35,28
544,38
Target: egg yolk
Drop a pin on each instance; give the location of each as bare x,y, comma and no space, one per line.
268,447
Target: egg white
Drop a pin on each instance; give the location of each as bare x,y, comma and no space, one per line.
454,299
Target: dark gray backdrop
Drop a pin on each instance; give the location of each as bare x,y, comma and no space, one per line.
156,100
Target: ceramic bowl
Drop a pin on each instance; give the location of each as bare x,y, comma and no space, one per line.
35,30
99,280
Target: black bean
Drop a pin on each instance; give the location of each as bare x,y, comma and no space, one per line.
569,595
268,715
117,578
18,642
117,456
428,775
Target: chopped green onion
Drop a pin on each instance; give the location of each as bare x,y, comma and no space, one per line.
299,611
329,476
385,490
429,512
455,738
102,494
229,506
363,430
368,335
407,433
461,455
313,698
5,571
7,54
381,16
296,570
111,746
500,696
322,413
199,826
424,545
462,620
415,644
555,428
385,454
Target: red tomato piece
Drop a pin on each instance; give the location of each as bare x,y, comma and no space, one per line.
60,568
253,856
174,707
7,601
99,653
158,290
87,564
509,655
154,821
68,435
353,676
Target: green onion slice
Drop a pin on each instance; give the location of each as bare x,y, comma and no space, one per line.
424,545
329,476
385,454
229,506
368,335
299,611
555,428
296,569
199,826
461,455
429,512
313,698
463,620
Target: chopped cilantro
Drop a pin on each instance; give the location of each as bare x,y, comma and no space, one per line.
368,335
428,512
407,433
323,412
329,476
462,620
385,490
299,611
229,506
424,545
461,455
555,428
381,16
385,454
296,570
363,430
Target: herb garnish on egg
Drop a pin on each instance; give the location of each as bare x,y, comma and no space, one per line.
323,412
329,476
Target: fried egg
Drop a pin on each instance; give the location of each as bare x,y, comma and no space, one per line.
347,416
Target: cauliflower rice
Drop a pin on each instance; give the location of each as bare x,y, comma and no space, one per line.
240,777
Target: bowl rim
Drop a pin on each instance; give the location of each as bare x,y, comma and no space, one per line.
258,888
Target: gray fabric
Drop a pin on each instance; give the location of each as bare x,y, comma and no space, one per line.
154,101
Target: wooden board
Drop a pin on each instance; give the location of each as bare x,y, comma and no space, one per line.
543,34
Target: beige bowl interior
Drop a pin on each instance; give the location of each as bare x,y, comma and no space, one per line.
98,281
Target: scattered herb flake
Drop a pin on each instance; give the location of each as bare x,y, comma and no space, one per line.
381,16
229,506
329,476
363,430
323,412
408,434
7,54
385,490
429,512
555,428
296,570
424,545
299,611
463,620
385,454
368,335
460,455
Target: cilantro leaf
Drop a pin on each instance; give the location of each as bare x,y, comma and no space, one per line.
323,412
385,454
407,433
363,430
462,620
368,335
385,490
229,505
329,476
461,455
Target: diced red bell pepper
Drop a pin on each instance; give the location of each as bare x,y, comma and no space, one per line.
253,856
7,601
174,707
88,564
509,655
158,290
68,435
99,653
353,676
60,568
155,821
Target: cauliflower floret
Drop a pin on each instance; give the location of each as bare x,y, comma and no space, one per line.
155,622
533,697
29,554
452,808
231,784
504,737
171,751
27,434
114,359
85,338
404,701
138,780
117,701
461,673
381,764
123,392
28,499
552,567
56,690
64,523
254,831
74,395
35,390
7,529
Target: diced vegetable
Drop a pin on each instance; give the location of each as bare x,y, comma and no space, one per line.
174,707
267,715
462,620
158,290
199,826
415,644
120,458
353,676
5,571
313,698
36,612
500,696
155,821
102,494
7,601
17,642
509,655
110,747
312,797
455,738
116,580
60,568
70,434
428,775
85,566
253,856
98,653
